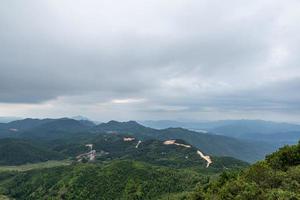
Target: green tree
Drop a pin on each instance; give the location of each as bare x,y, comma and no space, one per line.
133,190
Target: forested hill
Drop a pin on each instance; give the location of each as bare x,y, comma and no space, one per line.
277,177
17,151
111,147
51,129
128,166
115,180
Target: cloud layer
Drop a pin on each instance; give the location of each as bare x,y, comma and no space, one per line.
150,59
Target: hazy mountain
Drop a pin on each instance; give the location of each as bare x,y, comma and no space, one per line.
43,128
79,118
65,127
227,126
242,127
212,144
8,119
27,123
202,125
272,132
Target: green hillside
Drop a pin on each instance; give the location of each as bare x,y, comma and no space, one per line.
109,147
277,177
58,129
112,146
116,180
16,152
147,173
213,144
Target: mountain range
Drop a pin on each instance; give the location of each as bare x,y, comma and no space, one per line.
134,161
255,130
219,145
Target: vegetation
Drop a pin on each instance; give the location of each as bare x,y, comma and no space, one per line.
109,147
26,167
112,146
145,173
278,177
17,151
115,180
57,129
122,171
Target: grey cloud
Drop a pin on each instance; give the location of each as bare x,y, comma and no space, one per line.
281,96
192,55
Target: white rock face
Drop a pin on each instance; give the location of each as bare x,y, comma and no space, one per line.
170,142
128,139
173,142
207,158
138,144
91,155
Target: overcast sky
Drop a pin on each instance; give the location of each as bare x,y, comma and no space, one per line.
150,59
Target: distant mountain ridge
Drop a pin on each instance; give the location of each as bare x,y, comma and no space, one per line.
65,127
259,126
272,132
41,127
8,119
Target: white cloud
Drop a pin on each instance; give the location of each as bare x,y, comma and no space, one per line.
127,101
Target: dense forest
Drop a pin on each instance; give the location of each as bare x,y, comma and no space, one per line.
115,180
124,170
277,177
17,151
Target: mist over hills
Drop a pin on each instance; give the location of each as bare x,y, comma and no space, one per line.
8,119
244,125
258,130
